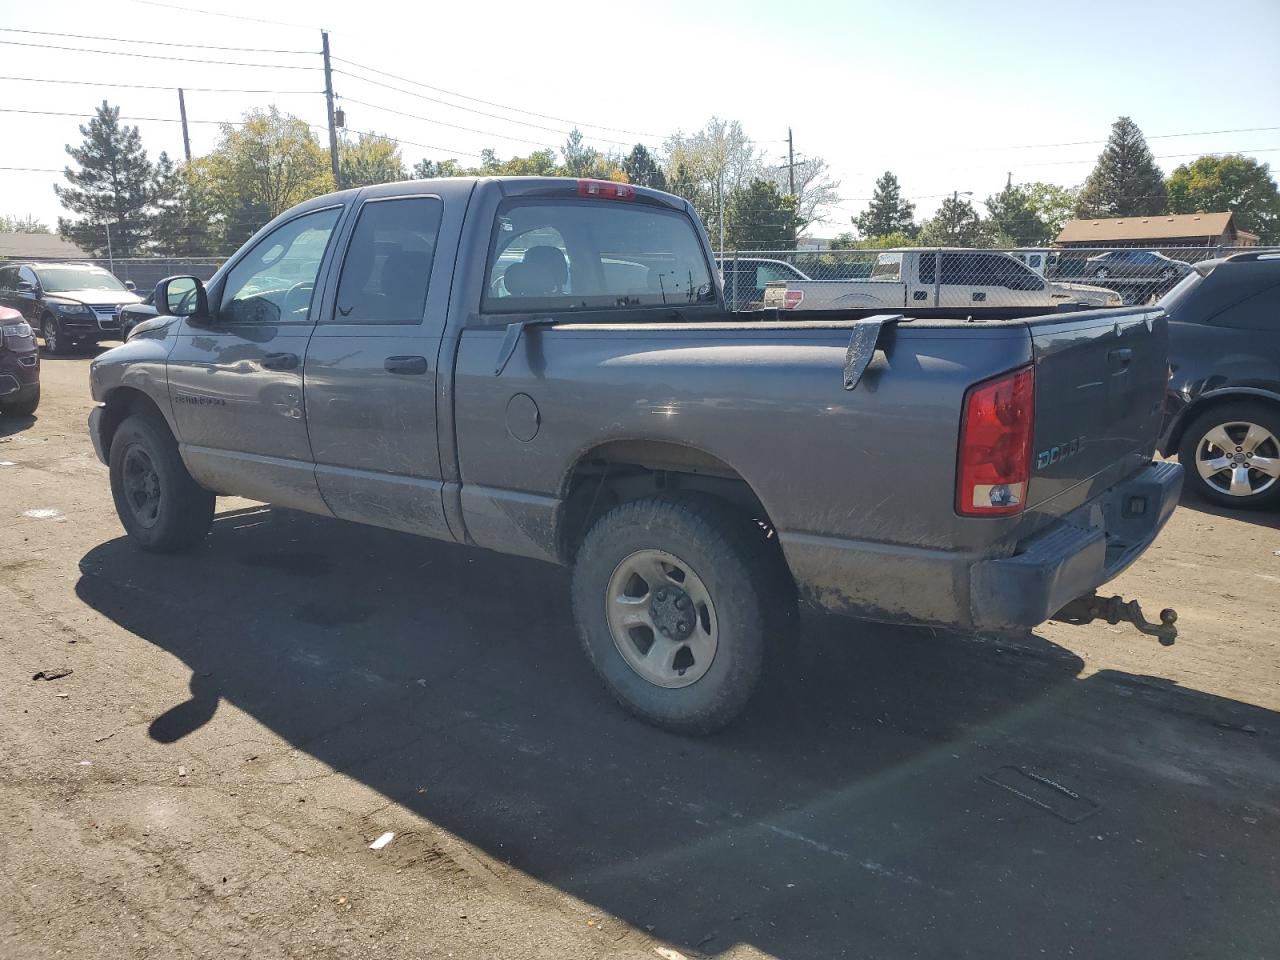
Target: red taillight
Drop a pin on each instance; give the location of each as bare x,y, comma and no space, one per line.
791,299
606,189
995,445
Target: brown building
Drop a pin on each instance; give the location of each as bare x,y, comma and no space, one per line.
1170,230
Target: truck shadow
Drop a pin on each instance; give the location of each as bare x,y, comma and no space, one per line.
846,812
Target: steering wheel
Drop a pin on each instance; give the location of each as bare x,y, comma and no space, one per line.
498,286
289,308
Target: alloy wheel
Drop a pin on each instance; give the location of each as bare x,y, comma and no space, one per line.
1239,459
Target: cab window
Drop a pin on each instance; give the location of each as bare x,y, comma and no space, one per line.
388,262
591,255
275,281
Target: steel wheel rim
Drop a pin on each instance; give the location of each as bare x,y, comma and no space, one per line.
661,618
141,483
1239,458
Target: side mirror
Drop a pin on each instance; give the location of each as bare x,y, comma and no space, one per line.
181,297
130,285
26,286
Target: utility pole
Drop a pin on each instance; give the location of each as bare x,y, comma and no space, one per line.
186,137
111,260
328,98
791,164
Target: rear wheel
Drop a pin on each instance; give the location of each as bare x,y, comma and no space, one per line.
1231,455
674,597
1101,273
51,330
161,507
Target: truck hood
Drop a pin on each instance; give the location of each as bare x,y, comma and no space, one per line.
1083,291
153,327
96,297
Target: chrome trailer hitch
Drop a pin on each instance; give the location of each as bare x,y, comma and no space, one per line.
1114,610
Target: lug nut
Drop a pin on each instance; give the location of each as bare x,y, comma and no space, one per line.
680,600
1238,449
662,594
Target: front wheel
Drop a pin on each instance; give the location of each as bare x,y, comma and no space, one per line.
54,342
673,596
161,507
1231,455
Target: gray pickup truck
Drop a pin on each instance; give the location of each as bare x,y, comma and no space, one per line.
546,367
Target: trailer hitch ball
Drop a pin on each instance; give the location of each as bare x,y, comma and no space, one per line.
1115,610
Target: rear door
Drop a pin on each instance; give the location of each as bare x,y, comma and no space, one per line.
1100,380
371,369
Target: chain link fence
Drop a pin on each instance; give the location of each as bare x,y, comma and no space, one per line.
956,277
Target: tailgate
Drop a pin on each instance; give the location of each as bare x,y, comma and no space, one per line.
1100,383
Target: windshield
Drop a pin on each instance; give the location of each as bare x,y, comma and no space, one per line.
64,279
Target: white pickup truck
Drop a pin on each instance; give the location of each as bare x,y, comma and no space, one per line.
937,278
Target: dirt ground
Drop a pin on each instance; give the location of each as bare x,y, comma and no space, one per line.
244,721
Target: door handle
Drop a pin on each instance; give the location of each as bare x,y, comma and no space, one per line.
405,365
1120,357
279,361
980,295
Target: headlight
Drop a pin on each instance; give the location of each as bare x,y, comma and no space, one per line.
16,331
71,309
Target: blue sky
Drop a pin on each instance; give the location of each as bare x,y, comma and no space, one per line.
949,96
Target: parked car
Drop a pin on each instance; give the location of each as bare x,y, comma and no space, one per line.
938,278
66,303
132,314
1146,265
19,365
547,367
1223,406
746,277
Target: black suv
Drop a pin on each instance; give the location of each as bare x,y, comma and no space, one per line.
66,303
1222,413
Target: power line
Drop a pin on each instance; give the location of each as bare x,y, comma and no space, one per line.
58,113
158,56
443,123
153,43
410,143
229,16
1154,136
454,106
491,103
146,86
34,169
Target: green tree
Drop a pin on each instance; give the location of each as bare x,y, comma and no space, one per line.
888,212
642,169
759,217
369,160
956,224
1011,214
259,170
710,165
1234,183
183,216
1126,181
24,224
112,187
426,169
580,160
1053,205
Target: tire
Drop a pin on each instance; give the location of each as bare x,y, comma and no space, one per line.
730,584
1101,273
54,341
1246,425
23,408
162,509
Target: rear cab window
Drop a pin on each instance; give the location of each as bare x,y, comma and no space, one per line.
558,255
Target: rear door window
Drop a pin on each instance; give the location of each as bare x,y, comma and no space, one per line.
388,264
590,255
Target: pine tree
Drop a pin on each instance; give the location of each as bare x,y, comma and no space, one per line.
1012,215
642,170
759,217
111,188
183,218
888,212
1126,181
956,224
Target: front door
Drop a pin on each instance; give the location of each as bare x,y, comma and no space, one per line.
236,382
370,370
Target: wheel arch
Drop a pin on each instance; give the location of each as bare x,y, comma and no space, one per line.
122,402
1211,400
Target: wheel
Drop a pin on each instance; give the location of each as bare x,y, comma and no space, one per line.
1167,273
161,507
23,408
1231,455
674,596
53,339
1101,273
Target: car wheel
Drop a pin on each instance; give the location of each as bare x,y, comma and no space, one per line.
51,330
161,507
674,597
1231,455
24,408
1101,273
1168,273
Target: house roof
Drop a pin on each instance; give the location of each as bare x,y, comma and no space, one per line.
1147,228
38,246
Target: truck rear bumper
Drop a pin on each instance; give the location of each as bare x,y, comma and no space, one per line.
1074,556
